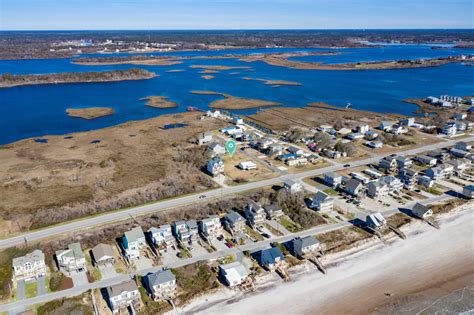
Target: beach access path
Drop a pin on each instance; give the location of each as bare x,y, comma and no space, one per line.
203,197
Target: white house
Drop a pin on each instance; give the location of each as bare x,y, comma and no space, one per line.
362,128
210,227
204,138
234,273
133,241
449,129
332,179
292,187
185,231
248,165
162,236
255,214
300,247
425,181
421,211
376,221
29,267
322,202
426,160
71,259
123,295
216,149
377,189
353,187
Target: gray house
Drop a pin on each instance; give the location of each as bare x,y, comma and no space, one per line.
123,295
234,222
103,254
161,285
353,187
299,247
421,211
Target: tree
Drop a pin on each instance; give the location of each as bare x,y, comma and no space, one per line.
322,139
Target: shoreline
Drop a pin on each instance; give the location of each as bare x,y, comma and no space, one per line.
374,269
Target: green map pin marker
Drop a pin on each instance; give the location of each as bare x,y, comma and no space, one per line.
231,146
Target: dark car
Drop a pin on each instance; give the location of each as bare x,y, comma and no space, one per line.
347,165
265,235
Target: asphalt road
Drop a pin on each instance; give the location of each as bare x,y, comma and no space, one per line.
189,199
18,306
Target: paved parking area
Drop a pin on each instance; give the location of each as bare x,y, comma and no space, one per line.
142,263
79,278
41,283
198,250
21,294
220,245
107,271
169,257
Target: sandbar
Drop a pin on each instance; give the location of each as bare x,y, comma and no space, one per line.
90,112
207,77
215,67
234,103
159,102
273,82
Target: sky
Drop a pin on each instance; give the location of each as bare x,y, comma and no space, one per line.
234,14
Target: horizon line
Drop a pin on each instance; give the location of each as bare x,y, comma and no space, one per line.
241,29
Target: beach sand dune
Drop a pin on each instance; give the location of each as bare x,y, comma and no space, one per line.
430,265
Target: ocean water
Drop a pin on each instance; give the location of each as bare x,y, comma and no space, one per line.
39,110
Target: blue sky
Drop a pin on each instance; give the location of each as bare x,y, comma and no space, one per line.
234,14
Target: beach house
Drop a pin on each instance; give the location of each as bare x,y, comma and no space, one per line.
29,267
122,296
322,202
103,255
421,211
377,189
301,246
255,214
210,228
270,258
161,285
354,187
234,222
375,221
292,187
233,273
332,179
71,259
215,166
185,231
274,211
162,236
468,191
133,241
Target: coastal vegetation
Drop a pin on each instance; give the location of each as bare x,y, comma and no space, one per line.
159,102
11,80
233,103
134,60
273,82
90,112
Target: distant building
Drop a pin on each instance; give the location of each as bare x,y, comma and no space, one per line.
426,160
161,285
388,163
300,161
403,162
385,126
216,149
408,177
234,273
362,128
29,267
371,135
463,146
377,189
375,144
460,116
425,181
204,138
353,187
237,120
407,122
449,129
322,202
124,295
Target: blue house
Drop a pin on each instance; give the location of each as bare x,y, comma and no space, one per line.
270,258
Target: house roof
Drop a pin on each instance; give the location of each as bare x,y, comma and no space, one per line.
102,250
469,187
160,229
35,255
162,276
273,207
118,289
233,217
298,244
353,184
74,250
134,234
419,208
234,271
269,256
320,196
332,175
376,219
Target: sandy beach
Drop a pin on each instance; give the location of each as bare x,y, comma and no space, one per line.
430,271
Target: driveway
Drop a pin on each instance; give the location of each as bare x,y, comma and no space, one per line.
41,283
21,295
142,263
107,271
169,257
277,226
79,278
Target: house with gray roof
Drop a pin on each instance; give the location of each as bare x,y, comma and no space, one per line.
71,259
234,222
354,187
377,189
161,285
376,221
255,214
186,231
233,274
211,227
322,202
301,246
292,186
123,295
103,254
29,267
162,236
468,191
421,211
274,211
332,179
133,241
